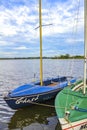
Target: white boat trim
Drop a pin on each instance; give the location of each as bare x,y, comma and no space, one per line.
77,125
79,86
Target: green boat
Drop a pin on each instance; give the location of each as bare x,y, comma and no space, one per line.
71,107
71,102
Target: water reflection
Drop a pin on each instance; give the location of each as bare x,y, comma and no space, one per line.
12,76
34,118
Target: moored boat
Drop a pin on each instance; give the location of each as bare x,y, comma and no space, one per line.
32,93
37,92
71,102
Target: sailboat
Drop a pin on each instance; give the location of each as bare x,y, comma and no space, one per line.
39,91
71,102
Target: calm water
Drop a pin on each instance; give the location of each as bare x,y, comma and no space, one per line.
18,72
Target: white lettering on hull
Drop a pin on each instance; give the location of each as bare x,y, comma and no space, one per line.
83,127
26,100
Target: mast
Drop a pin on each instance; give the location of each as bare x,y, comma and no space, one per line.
40,29
85,43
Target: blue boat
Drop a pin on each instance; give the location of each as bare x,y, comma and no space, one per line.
38,91
34,93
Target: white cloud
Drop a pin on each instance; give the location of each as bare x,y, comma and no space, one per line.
74,41
21,48
18,23
6,43
8,54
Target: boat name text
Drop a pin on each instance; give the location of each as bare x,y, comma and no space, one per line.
83,127
26,100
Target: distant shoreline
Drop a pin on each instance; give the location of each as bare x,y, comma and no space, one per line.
67,56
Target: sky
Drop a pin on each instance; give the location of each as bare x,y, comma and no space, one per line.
20,18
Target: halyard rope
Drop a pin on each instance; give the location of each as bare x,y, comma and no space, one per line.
74,32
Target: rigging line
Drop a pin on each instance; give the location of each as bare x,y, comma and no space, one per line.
36,36
68,121
44,25
75,29
74,37
50,18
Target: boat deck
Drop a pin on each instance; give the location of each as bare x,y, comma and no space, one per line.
53,84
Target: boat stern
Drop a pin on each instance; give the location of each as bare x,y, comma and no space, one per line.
77,125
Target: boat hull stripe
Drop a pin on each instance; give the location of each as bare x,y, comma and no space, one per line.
68,128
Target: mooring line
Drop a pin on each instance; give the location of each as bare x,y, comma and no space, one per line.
45,105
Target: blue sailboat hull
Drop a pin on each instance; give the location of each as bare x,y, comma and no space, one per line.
33,93
20,102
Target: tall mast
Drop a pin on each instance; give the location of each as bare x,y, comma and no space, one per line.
85,43
40,24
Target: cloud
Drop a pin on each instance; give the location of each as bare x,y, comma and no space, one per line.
19,18
74,41
21,48
8,54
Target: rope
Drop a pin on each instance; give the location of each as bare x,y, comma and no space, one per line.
45,105
74,32
68,121
74,37
80,109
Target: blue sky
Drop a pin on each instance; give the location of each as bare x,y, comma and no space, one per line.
19,18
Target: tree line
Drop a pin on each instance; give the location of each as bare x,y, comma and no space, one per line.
66,56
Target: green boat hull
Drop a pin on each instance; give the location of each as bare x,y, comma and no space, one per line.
71,105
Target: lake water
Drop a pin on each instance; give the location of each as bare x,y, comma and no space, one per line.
18,72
